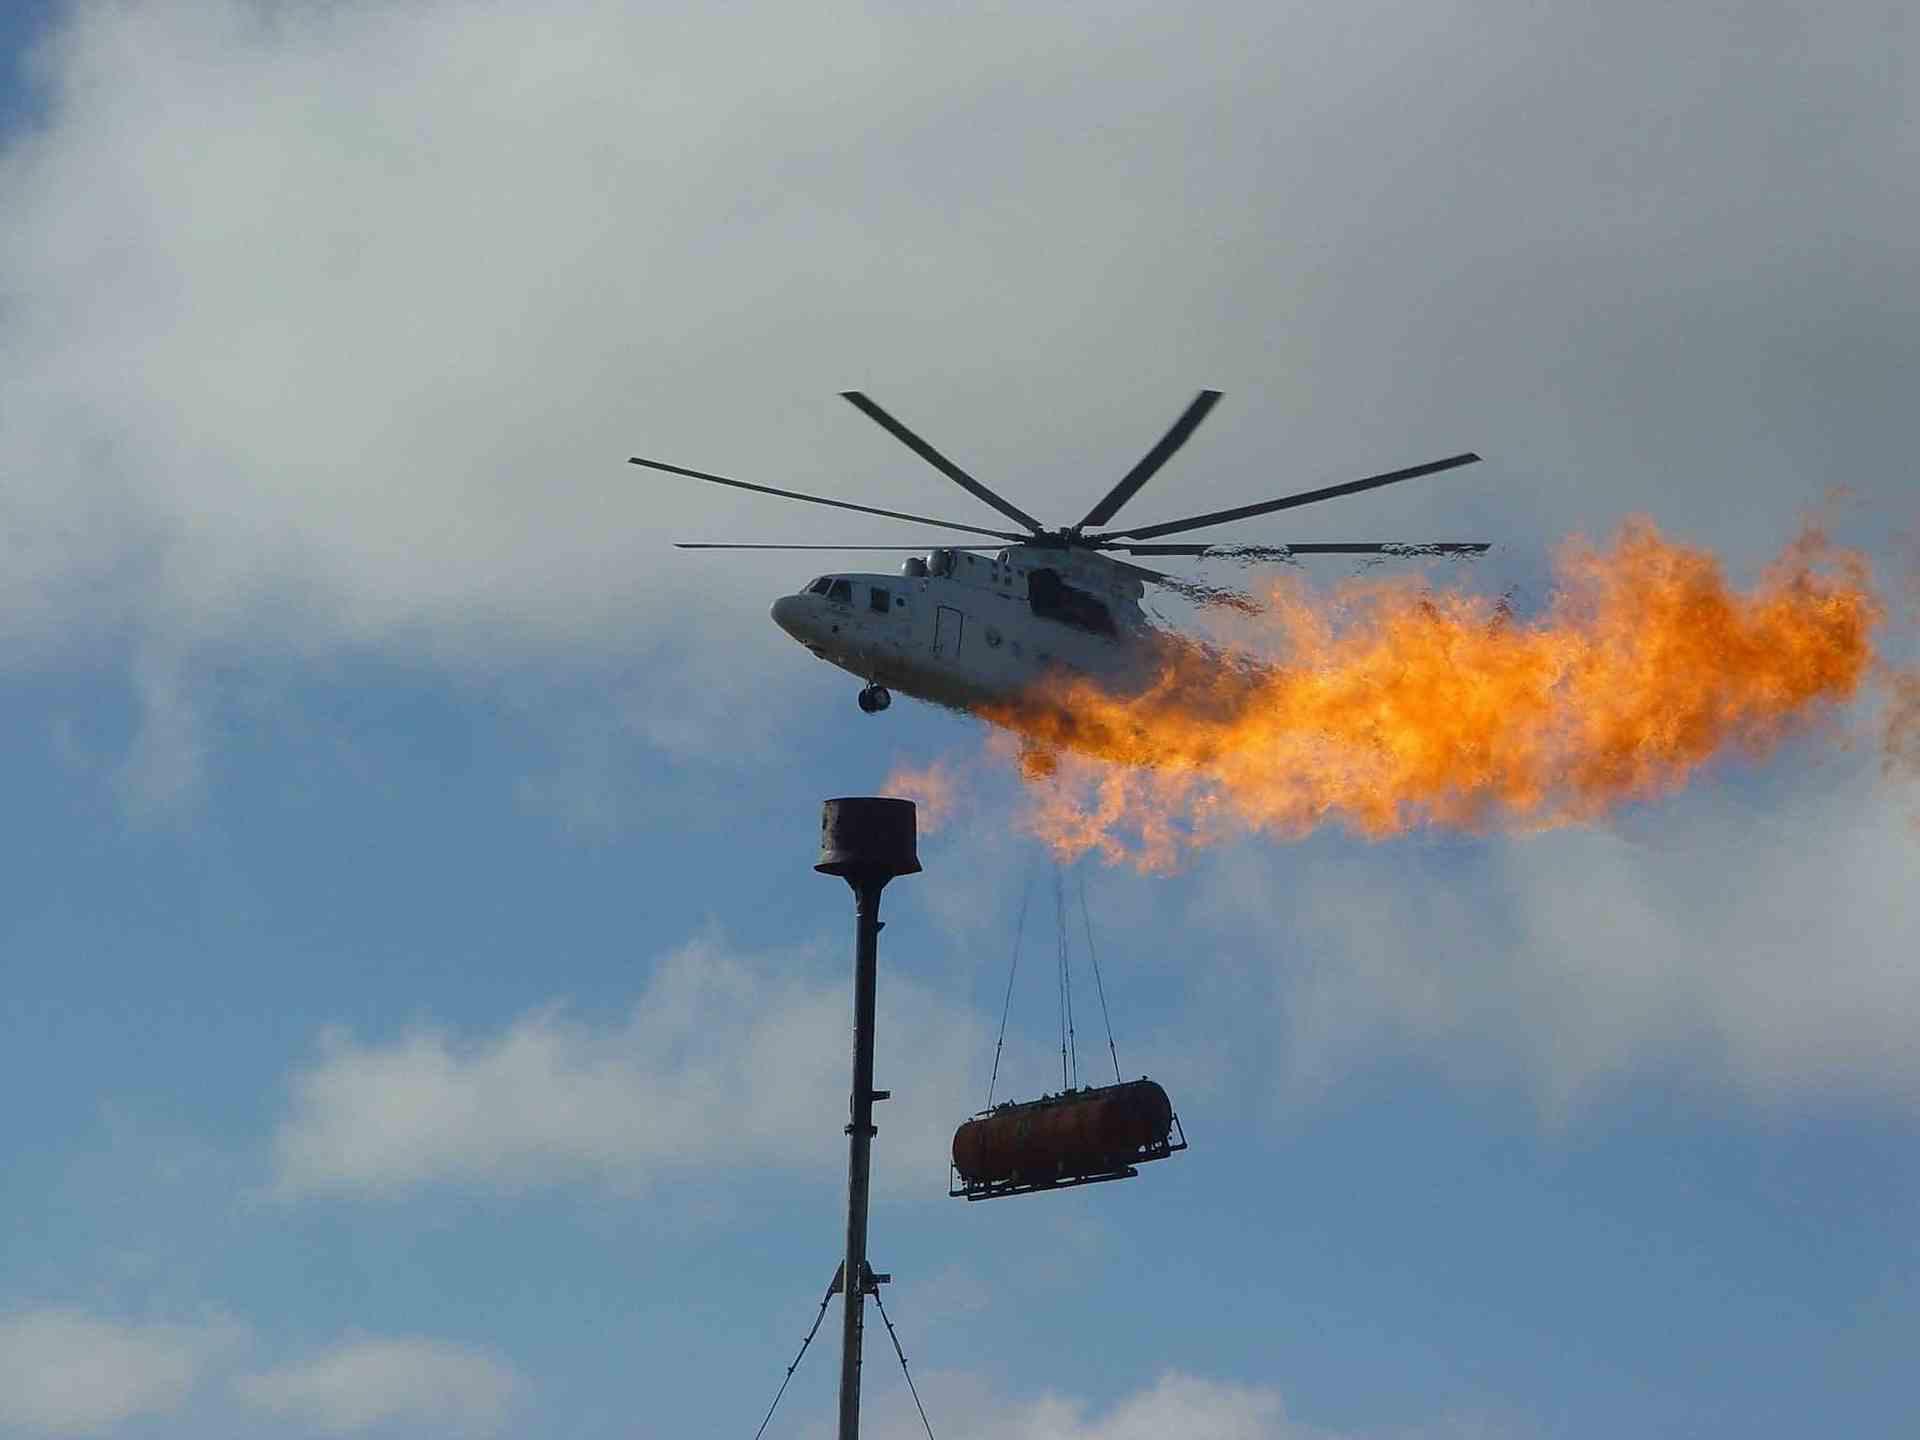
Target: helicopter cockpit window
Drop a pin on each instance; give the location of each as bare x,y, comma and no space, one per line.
841,590
819,587
879,599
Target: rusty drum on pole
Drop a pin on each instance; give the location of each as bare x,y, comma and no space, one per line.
867,837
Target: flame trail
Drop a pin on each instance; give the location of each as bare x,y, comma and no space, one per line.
931,789
1386,705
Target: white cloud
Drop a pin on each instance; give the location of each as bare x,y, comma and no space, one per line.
329,327
723,1062
163,770
334,324
1176,1404
1781,941
1764,947
401,1381
365,307
64,1372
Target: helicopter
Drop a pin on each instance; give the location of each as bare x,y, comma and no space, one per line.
969,630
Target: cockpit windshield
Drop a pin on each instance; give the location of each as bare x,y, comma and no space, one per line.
820,586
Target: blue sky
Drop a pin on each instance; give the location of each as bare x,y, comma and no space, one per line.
422,1016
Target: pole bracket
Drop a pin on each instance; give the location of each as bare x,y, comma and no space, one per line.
869,1286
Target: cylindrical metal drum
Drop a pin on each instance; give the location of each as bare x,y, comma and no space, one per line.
1083,1132
868,837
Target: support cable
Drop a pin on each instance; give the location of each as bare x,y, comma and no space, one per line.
832,1287
1066,957
1087,924
1069,1042
1006,1005
911,1389
1060,987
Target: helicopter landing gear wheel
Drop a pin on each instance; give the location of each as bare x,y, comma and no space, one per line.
875,698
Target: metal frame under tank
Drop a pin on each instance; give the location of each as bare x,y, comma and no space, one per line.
960,1189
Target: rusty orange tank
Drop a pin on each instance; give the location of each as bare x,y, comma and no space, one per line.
1075,1138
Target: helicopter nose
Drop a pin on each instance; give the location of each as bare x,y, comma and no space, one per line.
788,613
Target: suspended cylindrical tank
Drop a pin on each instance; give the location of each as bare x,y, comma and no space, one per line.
1087,1134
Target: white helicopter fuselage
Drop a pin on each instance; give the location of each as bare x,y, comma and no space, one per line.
965,630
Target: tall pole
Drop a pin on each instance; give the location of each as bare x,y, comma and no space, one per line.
860,1129
867,841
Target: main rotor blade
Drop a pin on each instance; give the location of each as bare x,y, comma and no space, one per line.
1306,497
939,462
1151,462
1408,549
1198,591
924,545
821,499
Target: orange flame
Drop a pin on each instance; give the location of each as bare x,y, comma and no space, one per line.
1388,706
931,789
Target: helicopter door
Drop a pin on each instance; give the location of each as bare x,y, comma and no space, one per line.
947,625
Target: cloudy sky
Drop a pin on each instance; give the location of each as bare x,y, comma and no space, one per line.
422,1018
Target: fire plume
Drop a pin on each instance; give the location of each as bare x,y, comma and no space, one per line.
1385,705
931,788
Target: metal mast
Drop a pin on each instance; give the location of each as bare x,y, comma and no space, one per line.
866,841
